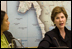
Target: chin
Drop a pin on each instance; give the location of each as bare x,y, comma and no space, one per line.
61,27
8,29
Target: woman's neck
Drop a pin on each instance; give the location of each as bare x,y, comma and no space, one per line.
62,32
61,29
1,32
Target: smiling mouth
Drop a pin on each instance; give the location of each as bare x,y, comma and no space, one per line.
61,24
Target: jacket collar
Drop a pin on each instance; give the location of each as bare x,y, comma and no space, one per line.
58,33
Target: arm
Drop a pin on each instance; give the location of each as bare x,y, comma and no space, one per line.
45,43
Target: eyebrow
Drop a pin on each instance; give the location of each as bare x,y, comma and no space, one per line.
61,16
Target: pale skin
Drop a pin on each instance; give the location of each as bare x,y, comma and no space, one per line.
5,24
60,21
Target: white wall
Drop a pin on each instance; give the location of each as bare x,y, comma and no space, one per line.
3,5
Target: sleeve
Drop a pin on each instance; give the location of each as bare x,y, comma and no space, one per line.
45,43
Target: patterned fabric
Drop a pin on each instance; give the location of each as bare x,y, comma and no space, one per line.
4,42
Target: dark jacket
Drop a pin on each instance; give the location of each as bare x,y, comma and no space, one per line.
54,39
9,37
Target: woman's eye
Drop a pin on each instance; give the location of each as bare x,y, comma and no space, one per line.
57,18
6,20
62,17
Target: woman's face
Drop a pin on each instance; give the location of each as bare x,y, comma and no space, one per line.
5,24
60,20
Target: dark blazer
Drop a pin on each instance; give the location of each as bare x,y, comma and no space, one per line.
54,39
9,37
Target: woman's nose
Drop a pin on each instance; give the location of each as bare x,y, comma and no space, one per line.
8,22
60,19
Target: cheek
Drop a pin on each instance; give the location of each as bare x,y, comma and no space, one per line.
56,21
64,20
4,25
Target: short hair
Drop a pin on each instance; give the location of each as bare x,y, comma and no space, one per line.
58,10
2,16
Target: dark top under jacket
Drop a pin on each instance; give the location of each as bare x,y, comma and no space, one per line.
9,37
54,39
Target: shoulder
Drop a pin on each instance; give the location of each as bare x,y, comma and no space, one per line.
50,33
49,36
7,33
68,31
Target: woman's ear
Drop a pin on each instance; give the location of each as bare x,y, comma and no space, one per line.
54,24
